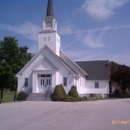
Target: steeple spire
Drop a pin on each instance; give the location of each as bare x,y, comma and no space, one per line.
49,8
49,36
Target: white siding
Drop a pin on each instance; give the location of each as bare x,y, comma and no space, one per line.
72,65
90,88
57,76
53,43
83,86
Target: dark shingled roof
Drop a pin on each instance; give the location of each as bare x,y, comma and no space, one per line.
97,70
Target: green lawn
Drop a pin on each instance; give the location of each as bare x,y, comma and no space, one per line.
8,96
96,99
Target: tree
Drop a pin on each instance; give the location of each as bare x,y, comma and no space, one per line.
12,59
121,75
124,78
117,93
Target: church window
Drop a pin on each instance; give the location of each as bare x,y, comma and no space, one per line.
91,95
54,24
49,38
42,75
65,81
48,24
26,82
96,84
41,81
49,82
44,38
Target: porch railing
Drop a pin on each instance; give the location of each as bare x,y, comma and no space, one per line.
47,93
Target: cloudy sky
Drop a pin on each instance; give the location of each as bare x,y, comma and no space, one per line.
89,29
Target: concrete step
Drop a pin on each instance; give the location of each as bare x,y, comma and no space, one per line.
39,97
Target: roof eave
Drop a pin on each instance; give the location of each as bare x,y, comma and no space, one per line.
81,70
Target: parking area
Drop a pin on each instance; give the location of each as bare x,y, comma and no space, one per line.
90,115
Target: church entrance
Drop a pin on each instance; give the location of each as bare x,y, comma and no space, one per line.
44,83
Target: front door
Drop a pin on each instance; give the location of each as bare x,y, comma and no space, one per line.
44,83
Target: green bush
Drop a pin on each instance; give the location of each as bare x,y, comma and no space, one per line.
84,98
21,96
58,94
73,93
68,98
63,90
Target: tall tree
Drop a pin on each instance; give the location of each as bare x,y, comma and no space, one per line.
12,59
121,75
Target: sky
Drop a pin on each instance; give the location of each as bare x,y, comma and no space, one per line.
89,29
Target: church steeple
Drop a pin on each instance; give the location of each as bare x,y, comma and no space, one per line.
50,8
49,22
49,36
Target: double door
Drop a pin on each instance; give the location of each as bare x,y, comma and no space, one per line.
44,82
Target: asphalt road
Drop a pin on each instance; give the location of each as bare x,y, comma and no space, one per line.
94,115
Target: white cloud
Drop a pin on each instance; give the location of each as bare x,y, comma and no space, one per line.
72,31
66,29
28,30
87,36
90,41
87,55
101,9
71,43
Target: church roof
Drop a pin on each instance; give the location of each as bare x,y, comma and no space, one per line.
49,9
81,70
32,60
97,70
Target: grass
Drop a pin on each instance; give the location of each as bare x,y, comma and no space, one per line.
8,96
96,99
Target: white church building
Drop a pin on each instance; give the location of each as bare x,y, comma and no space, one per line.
51,66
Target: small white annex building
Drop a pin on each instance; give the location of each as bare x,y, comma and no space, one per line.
51,66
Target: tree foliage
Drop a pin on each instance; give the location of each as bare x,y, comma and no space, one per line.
117,93
12,59
73,92
121,75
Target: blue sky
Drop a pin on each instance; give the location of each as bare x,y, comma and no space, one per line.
89,29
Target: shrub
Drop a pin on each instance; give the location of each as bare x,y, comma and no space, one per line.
73,93
21,96
117,93
68,98
63,90
84,98
58,94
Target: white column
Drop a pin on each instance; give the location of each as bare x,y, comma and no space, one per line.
74,81
34,78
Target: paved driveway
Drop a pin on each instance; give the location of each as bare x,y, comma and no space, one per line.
94,115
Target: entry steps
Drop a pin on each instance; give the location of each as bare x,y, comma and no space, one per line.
39,97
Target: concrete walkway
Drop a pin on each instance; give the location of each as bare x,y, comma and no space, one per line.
94,115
